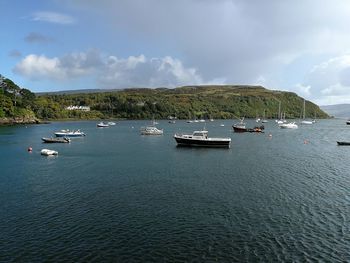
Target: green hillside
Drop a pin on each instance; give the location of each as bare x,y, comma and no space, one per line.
21,105
195,101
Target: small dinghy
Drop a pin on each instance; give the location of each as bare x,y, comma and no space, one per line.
56,140
48,152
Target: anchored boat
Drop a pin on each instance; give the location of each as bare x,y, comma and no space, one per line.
200,138
56,140
48,152
68,133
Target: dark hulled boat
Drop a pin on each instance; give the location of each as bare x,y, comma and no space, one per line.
343,143
56,140
201,139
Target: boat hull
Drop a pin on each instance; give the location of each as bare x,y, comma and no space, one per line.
239,129
48,152
344,143
202,143
56,140
255,129
62,134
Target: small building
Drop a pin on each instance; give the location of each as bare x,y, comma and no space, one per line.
81,108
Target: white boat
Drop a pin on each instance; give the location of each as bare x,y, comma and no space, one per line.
222,125
102,125
201,139
48,152
290,125
151,130
68,133
305,122
264,120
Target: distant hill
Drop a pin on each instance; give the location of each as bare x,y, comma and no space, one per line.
337,110
216,101
79,91
205,101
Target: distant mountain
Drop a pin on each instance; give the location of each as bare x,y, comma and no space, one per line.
79,91
337,110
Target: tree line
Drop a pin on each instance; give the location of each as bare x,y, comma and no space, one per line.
219,102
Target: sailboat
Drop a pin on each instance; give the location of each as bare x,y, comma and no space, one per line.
264,120
154,121
305,122
279,120
189,118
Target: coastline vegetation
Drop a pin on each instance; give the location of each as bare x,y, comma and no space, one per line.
211,101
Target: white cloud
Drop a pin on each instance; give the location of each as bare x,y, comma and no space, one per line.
36,67
303,90
236,40
110,71
142,72
53,17
329,81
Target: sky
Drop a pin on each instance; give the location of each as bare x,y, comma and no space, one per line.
302,46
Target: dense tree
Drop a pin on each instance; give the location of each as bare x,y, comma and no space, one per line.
195,101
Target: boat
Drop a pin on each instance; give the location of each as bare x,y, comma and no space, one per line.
154,122
279,117
48,152
102,125
290,125
264,120
239,126
348,122
256,129
151,130
222,125
189,118
172,119
201,139
111,123
305,122
56,140
343,143
68,133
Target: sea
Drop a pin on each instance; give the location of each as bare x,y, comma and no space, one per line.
117,196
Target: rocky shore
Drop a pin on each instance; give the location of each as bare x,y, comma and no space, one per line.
19,120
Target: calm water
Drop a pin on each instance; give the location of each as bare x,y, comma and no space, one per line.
116,195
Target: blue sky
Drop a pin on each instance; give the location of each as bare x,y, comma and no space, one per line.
301,46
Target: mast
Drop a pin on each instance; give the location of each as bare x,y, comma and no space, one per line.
279,110
304,110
